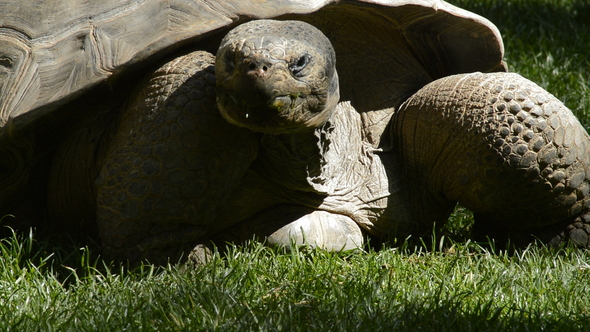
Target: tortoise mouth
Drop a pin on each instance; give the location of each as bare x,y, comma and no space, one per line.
268,99
278,114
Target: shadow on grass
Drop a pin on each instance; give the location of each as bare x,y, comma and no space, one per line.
452,316
565,23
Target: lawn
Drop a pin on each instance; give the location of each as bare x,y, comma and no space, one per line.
441,285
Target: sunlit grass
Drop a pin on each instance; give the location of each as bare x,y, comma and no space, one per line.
461,288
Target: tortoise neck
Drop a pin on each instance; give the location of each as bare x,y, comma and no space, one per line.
319,160
294,159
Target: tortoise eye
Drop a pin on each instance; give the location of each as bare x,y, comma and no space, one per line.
297,66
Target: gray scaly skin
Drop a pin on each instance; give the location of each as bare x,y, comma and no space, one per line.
164,158
281,158
504,148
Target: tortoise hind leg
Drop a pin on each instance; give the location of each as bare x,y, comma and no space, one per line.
501,146
171,164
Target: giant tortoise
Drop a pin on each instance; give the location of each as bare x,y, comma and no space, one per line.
319,122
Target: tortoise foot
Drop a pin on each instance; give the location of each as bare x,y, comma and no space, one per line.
573,232
576,233
286,225
320,229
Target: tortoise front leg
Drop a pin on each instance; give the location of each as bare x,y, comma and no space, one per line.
501,146
171,164
284,225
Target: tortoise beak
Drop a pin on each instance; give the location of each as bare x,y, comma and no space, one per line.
258,79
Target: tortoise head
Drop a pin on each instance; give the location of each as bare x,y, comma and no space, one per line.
276,76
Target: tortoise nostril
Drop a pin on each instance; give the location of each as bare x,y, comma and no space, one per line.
256,65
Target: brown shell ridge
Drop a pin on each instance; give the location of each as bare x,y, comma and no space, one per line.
87,50
15,71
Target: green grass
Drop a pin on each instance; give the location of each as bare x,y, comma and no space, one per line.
461,288
456,286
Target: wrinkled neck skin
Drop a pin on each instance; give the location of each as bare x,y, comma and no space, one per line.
294,160
339,168
331,159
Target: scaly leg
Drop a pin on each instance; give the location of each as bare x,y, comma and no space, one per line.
171,164
501,146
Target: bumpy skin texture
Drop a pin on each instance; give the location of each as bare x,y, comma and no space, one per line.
501,146
171,163
279,154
